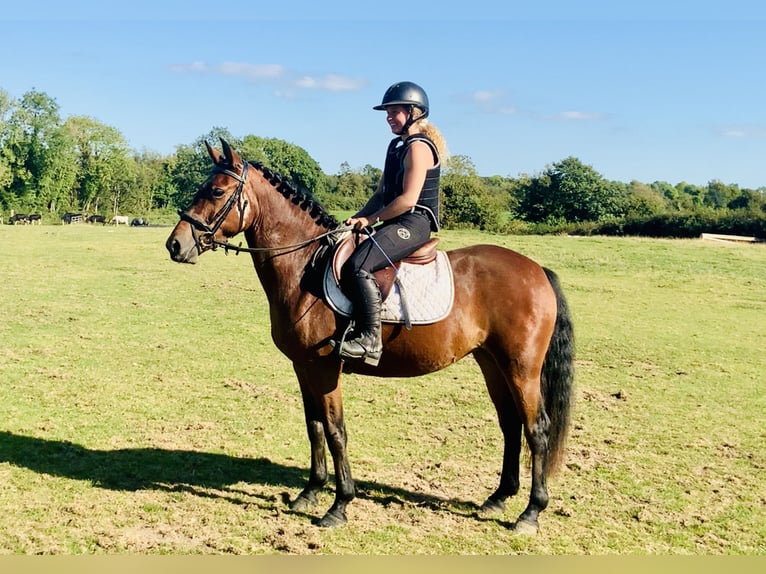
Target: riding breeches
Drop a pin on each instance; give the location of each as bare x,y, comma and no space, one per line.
393,241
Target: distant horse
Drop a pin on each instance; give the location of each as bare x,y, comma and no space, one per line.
139,222
18,218
119,220
508,312
69,218
97,219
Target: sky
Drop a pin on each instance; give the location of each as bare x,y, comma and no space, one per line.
648,90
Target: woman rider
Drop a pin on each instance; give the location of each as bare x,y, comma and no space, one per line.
406,204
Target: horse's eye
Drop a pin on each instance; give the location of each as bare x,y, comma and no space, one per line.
218,192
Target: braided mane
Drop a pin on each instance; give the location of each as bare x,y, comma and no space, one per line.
302,198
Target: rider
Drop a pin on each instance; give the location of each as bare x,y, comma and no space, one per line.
406,203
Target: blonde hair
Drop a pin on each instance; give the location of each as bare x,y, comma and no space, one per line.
432,133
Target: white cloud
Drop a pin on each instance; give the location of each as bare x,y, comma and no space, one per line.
275,73
251,71
578,116
492,102
330,82
193,67
484,96
743,132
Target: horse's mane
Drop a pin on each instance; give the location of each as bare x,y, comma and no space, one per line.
302,198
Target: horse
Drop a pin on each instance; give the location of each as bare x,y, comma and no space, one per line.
69,218
508,312
18,218
119,220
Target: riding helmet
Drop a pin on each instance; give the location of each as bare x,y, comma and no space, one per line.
405,93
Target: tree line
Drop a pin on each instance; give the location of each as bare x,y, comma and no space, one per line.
53,165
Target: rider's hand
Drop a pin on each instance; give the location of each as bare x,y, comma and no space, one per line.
358,223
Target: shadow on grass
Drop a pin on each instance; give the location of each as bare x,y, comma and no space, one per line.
184,470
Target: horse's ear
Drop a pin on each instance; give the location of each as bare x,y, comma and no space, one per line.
226,148
214,153
231,156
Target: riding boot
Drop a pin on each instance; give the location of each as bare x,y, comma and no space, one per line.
367,344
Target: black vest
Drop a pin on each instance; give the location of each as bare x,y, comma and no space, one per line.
393,177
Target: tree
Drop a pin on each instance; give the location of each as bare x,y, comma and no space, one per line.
27,135
286,159
105,167
152,187
350,188
6,173
750,200
569,191
643,200
718,194
192,164
466,202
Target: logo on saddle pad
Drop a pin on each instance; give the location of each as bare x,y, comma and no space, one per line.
422,293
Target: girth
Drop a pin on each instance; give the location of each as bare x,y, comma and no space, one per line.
386,276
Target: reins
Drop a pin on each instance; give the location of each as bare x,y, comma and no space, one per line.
215,244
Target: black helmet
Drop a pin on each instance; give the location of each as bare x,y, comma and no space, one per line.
405,93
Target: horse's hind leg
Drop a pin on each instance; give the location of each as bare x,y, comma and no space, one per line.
536,427
518,399
510,425
537,437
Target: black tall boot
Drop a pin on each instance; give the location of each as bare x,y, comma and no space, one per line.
367,344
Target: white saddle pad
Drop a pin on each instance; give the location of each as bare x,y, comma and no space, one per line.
429,292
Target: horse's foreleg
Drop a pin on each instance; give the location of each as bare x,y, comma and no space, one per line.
318,474
335,430
324,386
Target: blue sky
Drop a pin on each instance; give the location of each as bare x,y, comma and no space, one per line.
647,90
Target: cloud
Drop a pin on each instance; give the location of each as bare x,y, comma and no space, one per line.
252,71
193,67
331,82
287,83
491,102
742,132
578,116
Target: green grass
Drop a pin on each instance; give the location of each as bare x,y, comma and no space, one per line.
144,409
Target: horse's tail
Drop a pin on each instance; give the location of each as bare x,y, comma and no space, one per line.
558,378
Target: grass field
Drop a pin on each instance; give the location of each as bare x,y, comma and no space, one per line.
144,409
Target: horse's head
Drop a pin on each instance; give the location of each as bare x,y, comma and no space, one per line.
217,211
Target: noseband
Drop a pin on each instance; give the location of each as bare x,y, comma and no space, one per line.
205,239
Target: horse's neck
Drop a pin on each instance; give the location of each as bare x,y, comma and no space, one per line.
279,269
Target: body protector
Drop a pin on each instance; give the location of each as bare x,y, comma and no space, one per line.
393,177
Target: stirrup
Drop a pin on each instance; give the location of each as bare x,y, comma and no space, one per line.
337,344
366,356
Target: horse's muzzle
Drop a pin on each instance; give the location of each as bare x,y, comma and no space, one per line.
180,251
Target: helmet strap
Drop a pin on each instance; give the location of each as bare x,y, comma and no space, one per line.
411,120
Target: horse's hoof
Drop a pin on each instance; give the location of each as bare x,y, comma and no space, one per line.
526,528
303,502
492,506
333,519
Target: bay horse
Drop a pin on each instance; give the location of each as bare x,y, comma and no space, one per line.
508,312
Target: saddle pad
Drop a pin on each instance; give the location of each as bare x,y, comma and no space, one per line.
429,293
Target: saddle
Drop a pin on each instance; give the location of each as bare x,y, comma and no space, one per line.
386,276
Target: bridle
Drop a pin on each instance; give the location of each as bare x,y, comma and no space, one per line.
205,239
